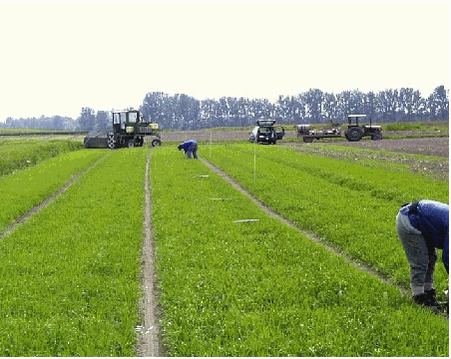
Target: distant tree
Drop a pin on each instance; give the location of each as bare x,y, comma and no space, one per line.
57,122
410,104
313,100
261,108
87,119
387,104
69,124
10,122
184,112
241,106
282,109
207,116
369,105
343,104
329,107
157,107
102,121
439,104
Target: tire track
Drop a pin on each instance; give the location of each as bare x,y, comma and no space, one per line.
274,214
149,332
48,200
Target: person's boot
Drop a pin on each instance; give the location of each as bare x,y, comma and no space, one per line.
426,299
420,299
430,295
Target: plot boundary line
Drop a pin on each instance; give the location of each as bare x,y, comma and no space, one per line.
39,207
271,212
149,338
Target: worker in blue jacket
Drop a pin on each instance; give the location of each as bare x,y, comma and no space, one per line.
422,228
190,147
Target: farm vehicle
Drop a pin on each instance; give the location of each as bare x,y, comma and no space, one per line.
265,132
129,130
353,132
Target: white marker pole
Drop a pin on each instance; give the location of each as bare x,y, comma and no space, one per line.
210,138
255,164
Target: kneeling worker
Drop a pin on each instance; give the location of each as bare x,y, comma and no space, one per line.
422,227
190,147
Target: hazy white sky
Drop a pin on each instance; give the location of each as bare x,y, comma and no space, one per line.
59,57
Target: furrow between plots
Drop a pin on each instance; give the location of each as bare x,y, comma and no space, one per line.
309,235
47,201
149,340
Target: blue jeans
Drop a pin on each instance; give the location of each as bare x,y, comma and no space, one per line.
192,149
421,260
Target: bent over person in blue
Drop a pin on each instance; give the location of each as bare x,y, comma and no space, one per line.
190,147
422,228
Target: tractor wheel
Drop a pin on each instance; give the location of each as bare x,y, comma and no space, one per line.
354,134
111,141
376,136
156,142
137,142
308,139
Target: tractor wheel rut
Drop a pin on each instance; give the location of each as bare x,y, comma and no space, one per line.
312,236
47,201
149,332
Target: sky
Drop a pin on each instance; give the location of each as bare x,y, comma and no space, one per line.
58,57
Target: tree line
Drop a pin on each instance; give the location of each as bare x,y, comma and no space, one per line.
183,112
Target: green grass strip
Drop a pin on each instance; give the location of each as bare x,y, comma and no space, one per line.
16,154
21,191
71,274
351,206
262,288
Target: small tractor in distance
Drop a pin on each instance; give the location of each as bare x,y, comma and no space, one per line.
129,130
354,132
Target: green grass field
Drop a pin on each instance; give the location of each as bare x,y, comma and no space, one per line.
262,288
349,205
16,154
27,188
71,274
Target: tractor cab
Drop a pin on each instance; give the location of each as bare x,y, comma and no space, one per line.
353,120
126,121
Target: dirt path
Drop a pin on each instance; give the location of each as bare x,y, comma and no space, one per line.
149,332
272,213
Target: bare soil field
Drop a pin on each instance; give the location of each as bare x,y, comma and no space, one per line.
430,146
387,153
205,135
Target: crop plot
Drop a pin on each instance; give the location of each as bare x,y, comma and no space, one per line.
22,191
260,288
17,154
71,273
351,206
231,279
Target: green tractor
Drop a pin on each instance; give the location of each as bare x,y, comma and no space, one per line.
129,130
